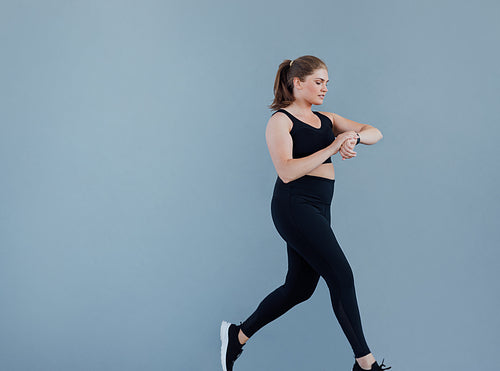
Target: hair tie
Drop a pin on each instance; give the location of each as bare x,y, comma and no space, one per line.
291,63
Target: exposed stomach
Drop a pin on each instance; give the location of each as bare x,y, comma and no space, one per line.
324,171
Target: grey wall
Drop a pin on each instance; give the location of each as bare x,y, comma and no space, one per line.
136,182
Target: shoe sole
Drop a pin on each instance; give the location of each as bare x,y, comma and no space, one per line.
224,338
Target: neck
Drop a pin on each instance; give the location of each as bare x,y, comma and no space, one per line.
300,107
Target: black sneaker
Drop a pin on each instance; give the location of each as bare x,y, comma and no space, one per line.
375,367
231,347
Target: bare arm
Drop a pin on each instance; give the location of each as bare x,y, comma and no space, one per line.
280,146
367,133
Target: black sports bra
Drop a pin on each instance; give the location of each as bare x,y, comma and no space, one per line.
307,139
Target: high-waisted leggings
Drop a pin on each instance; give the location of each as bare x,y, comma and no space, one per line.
300,211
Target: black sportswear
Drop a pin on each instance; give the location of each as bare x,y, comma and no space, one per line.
300,211
307,139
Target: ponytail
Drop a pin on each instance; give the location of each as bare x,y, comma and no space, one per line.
287,70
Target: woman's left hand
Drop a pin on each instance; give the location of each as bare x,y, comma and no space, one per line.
347,149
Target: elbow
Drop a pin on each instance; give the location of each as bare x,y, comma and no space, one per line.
285,176
284,173
285,179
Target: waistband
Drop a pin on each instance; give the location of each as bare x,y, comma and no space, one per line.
306,180
318,188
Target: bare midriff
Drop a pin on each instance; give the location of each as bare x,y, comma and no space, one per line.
324,171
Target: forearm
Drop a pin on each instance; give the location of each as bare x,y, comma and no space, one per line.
296,167
369,135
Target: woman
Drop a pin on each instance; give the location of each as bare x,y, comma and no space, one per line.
300,143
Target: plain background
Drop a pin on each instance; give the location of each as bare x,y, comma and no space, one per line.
136,182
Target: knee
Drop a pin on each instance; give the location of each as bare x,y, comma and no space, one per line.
298,292
305,294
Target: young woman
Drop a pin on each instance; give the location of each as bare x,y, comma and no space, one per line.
300,143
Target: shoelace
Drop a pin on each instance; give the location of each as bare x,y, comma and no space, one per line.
382,364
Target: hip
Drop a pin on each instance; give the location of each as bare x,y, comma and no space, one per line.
310,188
302,206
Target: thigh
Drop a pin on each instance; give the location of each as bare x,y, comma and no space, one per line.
318,245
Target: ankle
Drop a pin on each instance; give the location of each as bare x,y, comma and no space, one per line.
366,362
242,338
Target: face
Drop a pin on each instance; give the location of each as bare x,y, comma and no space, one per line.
314,88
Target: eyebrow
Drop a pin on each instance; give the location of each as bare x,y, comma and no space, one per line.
322,79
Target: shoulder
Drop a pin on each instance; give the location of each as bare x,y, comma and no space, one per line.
330,115
280,120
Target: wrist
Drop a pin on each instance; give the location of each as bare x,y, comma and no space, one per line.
335,148
358,138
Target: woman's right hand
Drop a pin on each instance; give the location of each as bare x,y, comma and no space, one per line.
341,138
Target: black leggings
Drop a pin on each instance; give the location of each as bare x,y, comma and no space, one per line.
301,213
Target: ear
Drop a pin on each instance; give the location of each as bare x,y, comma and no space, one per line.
297,83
